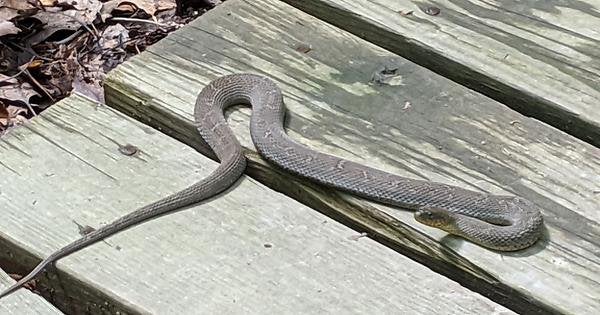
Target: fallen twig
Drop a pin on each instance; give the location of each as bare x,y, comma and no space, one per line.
23,69
124,19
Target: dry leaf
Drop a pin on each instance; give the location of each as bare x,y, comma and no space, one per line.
113,37
7,14
60,75
35,64
7,28
162,5
4,114
14,91
9,8
148,6
93,90
10,115
89,6
85,13
16,4
81,62
88,80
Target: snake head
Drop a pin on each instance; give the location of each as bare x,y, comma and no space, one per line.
435,217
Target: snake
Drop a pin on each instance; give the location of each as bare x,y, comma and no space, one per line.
497,222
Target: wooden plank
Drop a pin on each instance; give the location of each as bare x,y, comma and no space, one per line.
539,57
418,124
250,251
23,302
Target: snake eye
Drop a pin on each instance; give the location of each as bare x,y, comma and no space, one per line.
424,214
433,216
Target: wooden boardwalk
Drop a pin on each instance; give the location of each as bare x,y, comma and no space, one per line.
541,58
24,302
275,243
251,251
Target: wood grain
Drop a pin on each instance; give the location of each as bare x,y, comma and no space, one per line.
539,57
413,122
24,302
249,251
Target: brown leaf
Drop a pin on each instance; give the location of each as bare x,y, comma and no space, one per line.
148,6
83,5
4,114
9,115
9,8
107,9
88,79
13,90
35,64
60,74
16,4
113,37
7,28
92,90
85,13
162,5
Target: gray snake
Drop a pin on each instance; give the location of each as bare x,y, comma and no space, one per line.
503,223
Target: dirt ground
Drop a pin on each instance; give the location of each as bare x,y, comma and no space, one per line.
50,48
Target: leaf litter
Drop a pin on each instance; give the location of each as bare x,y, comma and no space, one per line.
50,48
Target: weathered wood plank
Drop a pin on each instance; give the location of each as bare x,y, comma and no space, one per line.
417,124
539,57
250,251
23,302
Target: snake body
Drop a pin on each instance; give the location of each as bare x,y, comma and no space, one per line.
498,222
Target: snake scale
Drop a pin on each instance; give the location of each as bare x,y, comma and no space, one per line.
504,223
